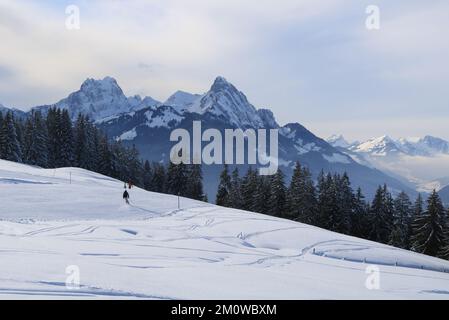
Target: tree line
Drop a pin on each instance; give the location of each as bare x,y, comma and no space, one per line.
331,203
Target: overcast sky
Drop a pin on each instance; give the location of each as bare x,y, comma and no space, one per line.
312,62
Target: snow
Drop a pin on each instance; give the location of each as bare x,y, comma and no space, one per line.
166,119
337,158
129,135
181,100
224,100
152,250
338,141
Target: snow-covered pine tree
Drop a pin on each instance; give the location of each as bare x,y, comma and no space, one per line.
428,228
278,195
224,187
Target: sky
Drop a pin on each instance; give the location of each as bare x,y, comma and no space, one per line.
310,61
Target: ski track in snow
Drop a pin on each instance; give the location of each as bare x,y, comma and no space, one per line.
153,250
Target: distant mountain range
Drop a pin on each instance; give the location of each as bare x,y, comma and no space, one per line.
386,146
147,123
408,159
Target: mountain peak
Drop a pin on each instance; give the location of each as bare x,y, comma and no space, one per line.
338,141
221,84
105,83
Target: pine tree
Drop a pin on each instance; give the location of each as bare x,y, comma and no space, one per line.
400,236
66,140
147,175
249,190
235,194
158,180
278,195
360,224
105,157
9,145
444,252
177,179
381,215
224,188
81,143
428,229
345,203
36,141
195,182
301,197
261,196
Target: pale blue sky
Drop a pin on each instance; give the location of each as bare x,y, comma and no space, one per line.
312,62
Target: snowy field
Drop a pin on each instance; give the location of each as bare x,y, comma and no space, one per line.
152,250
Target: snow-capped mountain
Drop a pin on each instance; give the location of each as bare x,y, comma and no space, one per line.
419,162
338,141
225,101
382,146
100,99
385,146
152,249
181,100
224,106
444,194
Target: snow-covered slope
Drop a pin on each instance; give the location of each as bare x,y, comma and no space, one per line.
152,250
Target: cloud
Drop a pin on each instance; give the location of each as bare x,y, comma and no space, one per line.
310,61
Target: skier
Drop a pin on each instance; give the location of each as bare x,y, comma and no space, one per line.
126,196
130,184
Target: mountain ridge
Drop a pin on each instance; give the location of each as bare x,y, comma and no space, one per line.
147,123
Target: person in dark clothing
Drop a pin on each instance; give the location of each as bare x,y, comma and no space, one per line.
126,196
